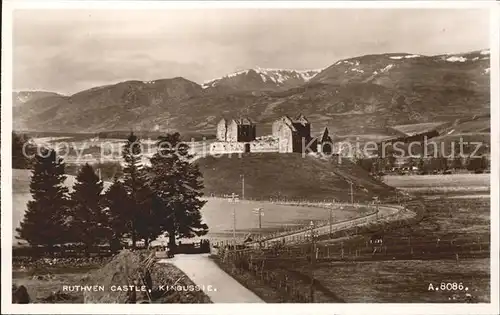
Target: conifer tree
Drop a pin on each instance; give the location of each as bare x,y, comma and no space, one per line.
177,185
21,151
117,201
89,222
44,221
135,182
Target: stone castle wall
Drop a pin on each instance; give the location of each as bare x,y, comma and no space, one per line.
239,147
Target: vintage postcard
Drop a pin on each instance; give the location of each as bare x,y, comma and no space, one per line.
253,157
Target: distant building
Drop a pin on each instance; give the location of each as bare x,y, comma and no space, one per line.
236,130
293,134
325,142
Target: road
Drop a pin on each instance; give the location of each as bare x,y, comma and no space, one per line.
204,273
385,213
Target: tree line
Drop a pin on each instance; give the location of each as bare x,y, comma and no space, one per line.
427,165
146,202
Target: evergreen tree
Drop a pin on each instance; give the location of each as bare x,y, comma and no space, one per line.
177,185
457,163
422,166
21,151
116,199
474,164
44,221
89,221
411,162
135,182
443,165
485,163
148,227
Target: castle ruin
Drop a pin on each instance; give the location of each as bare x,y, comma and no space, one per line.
288,136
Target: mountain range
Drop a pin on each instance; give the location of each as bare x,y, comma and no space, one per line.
361,95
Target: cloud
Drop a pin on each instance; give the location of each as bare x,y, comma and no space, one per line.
71,50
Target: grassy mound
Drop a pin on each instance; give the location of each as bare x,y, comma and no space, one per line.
126,268
139,269
290,176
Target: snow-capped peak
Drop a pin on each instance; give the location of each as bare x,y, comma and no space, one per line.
277,76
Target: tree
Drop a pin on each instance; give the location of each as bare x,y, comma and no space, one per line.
89,222
44,220
456,163
135,182
117,201
422,166
22,150
477,164
177,185
411,162
366,164
443,164
485,163
148,226
473,164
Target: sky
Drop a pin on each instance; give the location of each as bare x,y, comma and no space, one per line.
68,51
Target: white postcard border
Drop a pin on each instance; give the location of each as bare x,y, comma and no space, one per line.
251,309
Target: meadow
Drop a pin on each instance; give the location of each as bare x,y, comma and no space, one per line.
451,244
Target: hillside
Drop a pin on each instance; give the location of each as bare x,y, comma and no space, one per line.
289,176
22,97
362,95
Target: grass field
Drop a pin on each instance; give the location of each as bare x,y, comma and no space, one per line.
288,176
39,289
404,281
441,184
413,129
450,244
217,213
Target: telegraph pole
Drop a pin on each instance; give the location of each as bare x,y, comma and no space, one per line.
313,262
352,194
259,212
331,218
233,198
242,176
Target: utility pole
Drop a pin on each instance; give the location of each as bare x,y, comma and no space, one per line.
377,202
352,194
259,212
242,176
313,262
331,218
233,198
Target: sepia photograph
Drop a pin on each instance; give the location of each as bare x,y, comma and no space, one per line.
254,154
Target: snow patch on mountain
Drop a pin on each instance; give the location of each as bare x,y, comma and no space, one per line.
352,63
277,76
485,52
456,59
405,57
387,68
